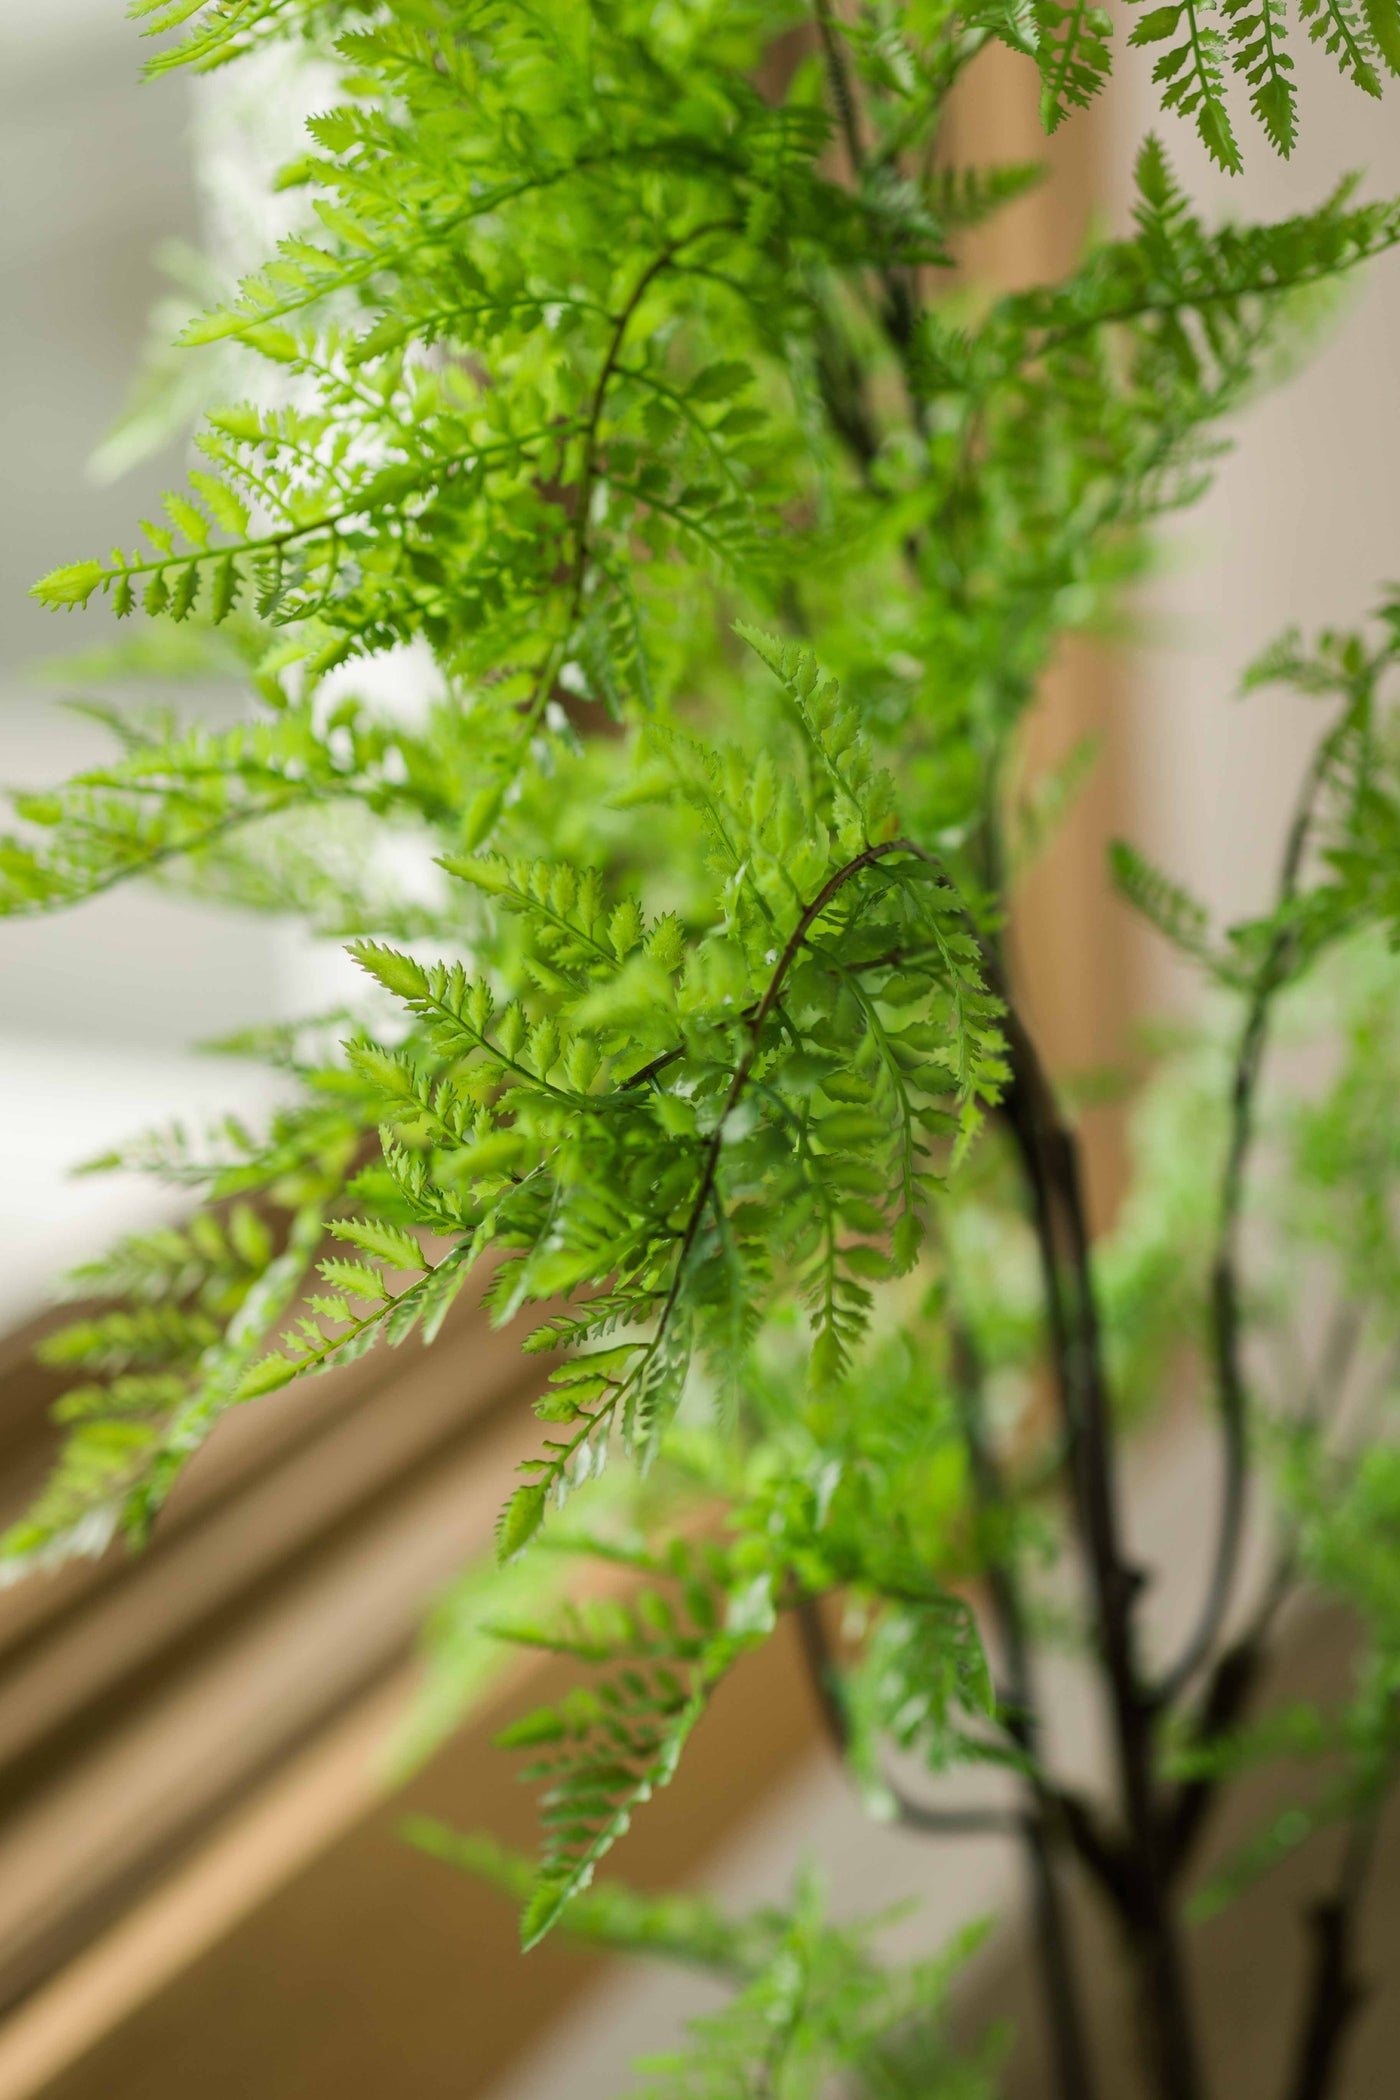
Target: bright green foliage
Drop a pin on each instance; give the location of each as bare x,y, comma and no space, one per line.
1259,37
1347,33
1254,43
169,1361
811,1998
685,1929
607,1747
1177,916
1074,54
822,2005
616,366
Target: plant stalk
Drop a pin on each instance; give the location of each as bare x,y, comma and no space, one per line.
1074,2079
1050,1160
1336,1992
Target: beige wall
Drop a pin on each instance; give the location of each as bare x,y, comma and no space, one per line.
1303,523
95,174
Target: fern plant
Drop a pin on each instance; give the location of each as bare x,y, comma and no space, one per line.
616,365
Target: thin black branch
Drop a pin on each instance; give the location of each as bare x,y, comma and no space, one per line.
845,394
621,323
821,1672
1229,1693
1063,1813
754,1021
1226,1310
928,1821
899,313
659,1064
1053,1939
1074,2078
1050,1159
841,93
1336,1992
1236,1673
909,1814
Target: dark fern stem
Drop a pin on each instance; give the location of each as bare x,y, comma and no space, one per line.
1336,1992
1225,1309
1053,1933
1050,1161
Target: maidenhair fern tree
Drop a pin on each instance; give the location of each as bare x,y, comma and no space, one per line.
616,363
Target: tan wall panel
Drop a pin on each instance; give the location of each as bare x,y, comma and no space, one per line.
1073,948
375,1971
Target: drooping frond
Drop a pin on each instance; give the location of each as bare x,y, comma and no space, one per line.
1074,56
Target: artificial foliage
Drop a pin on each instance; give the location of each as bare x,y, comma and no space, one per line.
620,378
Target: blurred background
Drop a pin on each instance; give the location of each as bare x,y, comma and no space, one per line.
201,1883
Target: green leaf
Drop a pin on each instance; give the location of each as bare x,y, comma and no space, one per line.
1157,24
389,1243
70,586
520,1520
1383,21
1074,55
719,381
354,1278
186,519
397,973
1178,916
868,1262
268,1375
226,508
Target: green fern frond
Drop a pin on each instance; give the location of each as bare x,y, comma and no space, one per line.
1073,52
1192,73
1258,34
607,1747
1178,916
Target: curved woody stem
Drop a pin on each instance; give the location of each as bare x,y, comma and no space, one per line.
1053,1939
1336,1992
824,1676
1226,1313
1050,1159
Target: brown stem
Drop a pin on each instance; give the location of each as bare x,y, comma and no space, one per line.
840,86
621,323
754,1019
1051,1163
1226,1314
1229,1693
1052,1936
1074,2079
1235,1675
909,1814
899,315
1336,1993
